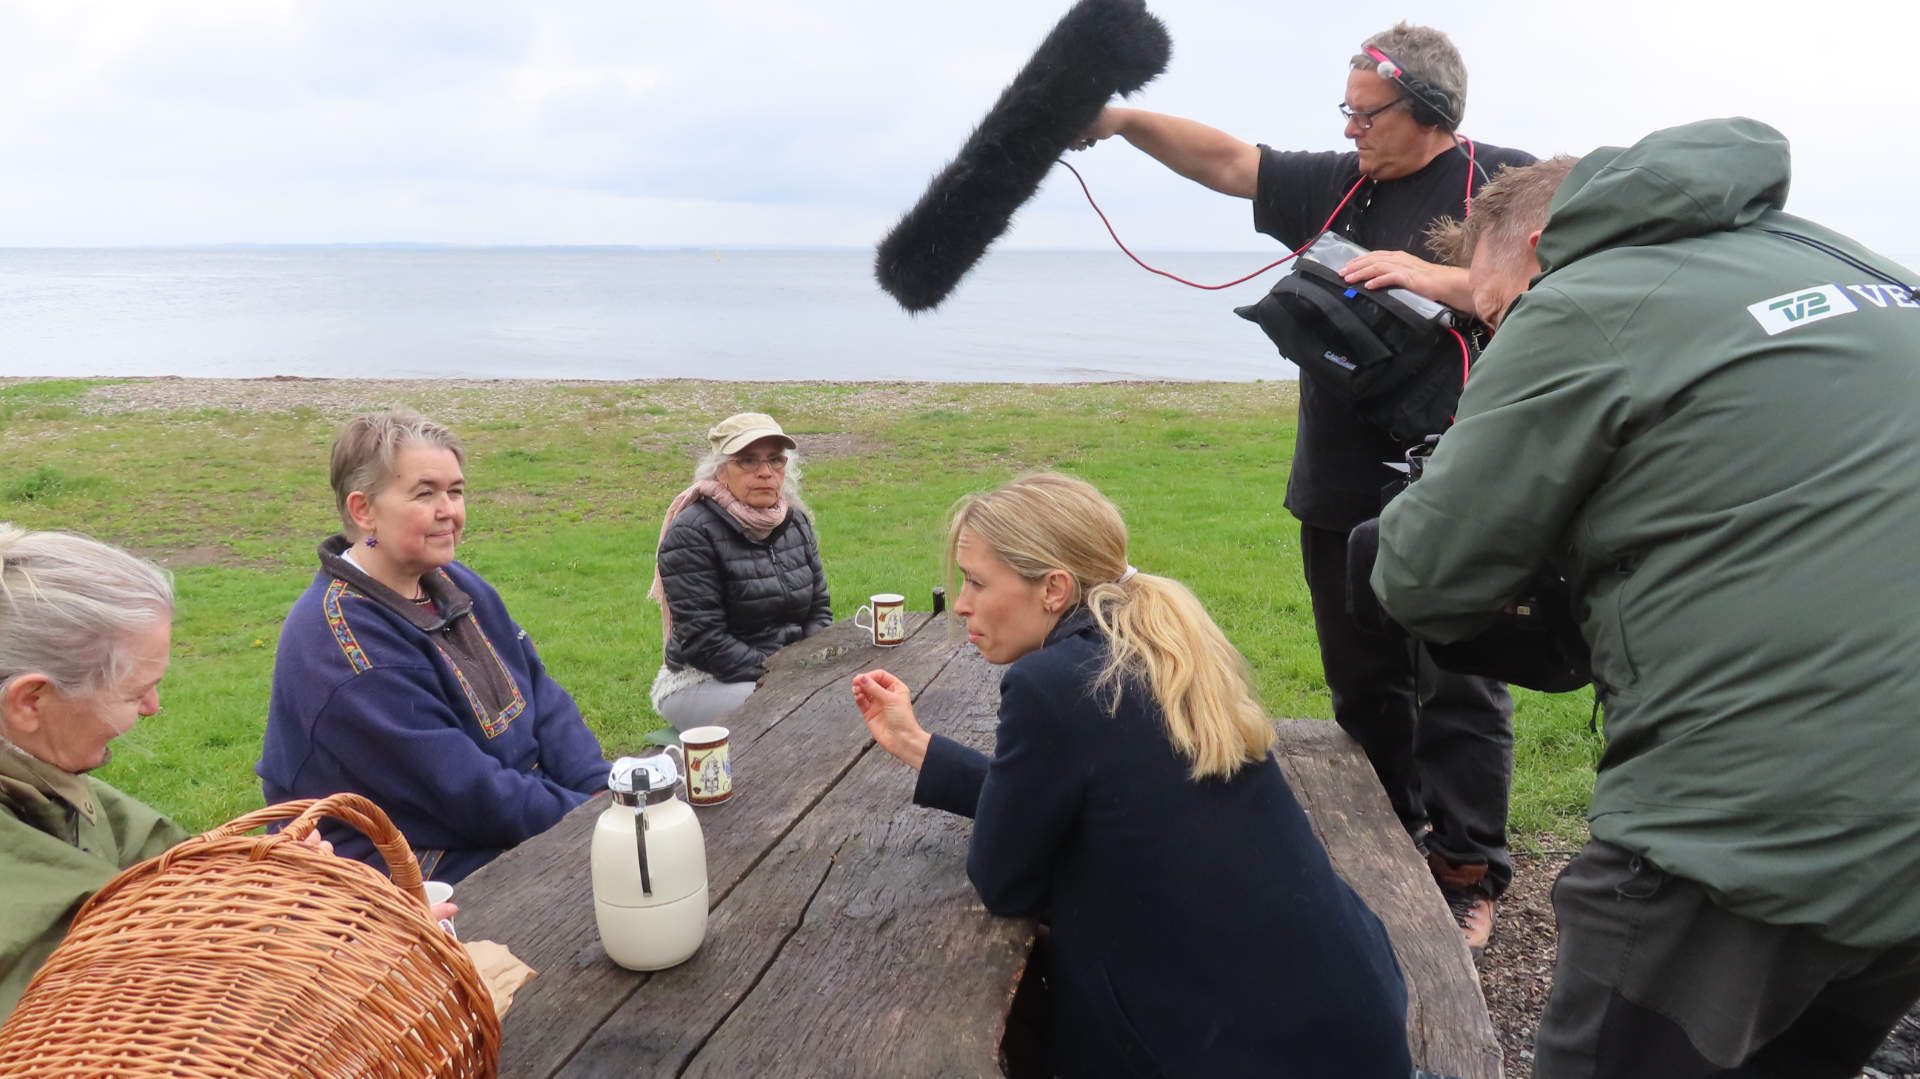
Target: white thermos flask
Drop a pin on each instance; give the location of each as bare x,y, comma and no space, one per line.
649,866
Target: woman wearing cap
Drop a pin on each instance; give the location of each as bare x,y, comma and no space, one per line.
1132,798
401,676
738,573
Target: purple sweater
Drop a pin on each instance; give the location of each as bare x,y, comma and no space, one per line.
447,721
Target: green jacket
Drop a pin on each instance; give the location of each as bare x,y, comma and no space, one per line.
62,836
1714,431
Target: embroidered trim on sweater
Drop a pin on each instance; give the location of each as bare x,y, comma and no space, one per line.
492,726
342,634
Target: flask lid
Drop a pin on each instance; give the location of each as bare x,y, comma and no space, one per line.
655,775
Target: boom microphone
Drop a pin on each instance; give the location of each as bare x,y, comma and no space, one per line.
1098,49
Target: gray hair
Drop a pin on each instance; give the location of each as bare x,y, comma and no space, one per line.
709,469
69,604
365,449
1424,54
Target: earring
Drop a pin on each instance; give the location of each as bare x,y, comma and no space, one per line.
373,541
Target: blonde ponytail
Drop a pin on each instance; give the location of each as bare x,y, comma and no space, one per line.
1156,630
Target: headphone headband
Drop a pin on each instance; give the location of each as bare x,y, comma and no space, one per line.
1433,106
1386,68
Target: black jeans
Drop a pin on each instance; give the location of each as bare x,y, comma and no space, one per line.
1441,743
1654,980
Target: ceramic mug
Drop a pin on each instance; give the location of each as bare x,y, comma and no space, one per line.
886,618
709,765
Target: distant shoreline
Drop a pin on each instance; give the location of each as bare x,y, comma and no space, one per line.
454,399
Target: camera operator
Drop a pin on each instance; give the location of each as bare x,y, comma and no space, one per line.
1706,413
1441,743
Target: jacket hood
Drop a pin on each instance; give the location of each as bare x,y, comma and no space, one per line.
1675,183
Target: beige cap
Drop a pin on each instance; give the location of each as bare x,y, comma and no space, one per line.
736,433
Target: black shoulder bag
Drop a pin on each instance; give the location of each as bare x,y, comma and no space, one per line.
1401,369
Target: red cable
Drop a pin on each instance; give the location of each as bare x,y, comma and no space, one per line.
1236,281
1280,262
1466,362
1470,165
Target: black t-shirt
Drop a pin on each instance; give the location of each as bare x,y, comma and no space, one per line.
1338,458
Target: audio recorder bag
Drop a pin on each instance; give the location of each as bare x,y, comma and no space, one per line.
1389,351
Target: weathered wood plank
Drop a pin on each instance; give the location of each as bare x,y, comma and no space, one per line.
1447,1022
856,948
538,898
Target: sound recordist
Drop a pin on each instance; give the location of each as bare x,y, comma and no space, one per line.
1441,743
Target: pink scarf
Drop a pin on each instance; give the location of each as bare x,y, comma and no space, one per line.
756,523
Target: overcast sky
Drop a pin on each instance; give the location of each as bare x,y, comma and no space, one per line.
818,122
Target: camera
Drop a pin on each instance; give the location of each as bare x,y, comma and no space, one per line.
1533,641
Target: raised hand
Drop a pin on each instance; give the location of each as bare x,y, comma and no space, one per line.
1105,125
886,703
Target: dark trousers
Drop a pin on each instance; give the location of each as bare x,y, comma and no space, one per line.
1441,743
1654,980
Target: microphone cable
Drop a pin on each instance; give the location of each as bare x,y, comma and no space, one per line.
1472,164
1466,356
1195,284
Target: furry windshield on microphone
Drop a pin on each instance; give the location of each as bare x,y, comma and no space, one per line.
1098,49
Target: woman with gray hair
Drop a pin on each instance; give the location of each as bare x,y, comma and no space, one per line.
401,676
738,572
85,629
84,634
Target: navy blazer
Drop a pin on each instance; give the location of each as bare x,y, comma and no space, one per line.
1198,927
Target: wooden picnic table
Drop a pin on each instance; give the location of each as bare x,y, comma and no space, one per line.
844,938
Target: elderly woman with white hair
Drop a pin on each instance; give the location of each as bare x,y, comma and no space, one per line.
84,634
85,630
738,572
401,676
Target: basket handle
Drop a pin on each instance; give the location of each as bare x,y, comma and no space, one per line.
353,809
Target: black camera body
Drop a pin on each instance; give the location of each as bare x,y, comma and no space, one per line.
1534,641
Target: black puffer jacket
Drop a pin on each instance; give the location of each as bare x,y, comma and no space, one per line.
736,601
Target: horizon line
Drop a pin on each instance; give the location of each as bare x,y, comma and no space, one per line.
451,245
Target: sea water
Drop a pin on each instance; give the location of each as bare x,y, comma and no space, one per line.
619,313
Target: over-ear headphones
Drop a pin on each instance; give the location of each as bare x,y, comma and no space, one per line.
1430,106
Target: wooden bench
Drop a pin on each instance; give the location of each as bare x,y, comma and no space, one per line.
844,938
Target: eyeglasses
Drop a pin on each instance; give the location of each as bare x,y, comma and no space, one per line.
755,464
1365,118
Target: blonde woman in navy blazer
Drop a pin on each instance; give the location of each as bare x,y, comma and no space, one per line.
1133,801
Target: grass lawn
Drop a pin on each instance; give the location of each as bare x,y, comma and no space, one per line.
226,484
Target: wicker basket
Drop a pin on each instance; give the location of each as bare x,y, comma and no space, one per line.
244,957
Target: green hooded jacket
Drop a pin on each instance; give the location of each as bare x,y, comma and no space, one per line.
62,837
1714,430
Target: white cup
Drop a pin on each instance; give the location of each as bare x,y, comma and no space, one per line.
886,618
439,891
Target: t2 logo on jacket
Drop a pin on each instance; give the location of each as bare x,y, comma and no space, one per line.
1781,313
